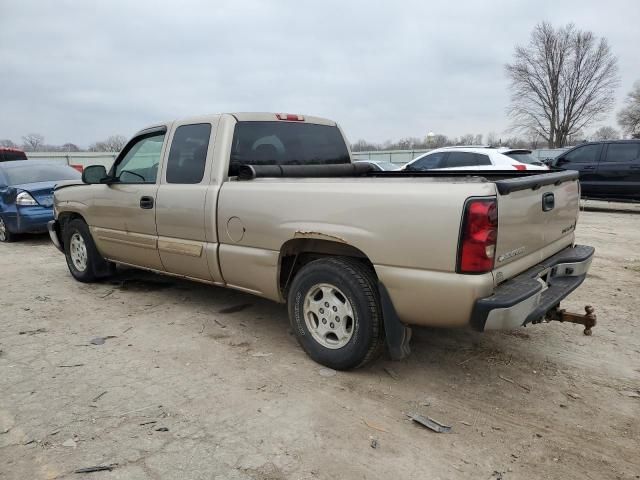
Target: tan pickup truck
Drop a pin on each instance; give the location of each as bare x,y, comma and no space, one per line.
271,204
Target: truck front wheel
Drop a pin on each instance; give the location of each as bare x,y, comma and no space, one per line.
334,310
83,259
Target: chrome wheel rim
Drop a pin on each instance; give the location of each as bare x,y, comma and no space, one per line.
329,316
78,252
3,231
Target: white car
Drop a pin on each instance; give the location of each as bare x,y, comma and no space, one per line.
379,165
475,158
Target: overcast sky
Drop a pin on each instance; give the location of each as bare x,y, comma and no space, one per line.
78,71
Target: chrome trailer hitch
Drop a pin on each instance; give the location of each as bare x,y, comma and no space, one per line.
588,319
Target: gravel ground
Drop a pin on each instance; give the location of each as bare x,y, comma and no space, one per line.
195,382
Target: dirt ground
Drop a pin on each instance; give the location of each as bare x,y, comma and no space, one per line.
206,383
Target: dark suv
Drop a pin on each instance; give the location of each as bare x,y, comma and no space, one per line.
608,170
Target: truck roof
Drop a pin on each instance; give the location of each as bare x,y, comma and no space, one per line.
250,117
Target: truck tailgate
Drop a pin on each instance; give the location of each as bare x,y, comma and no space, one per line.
536,219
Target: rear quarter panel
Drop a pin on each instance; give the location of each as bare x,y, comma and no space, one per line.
408,229
397,223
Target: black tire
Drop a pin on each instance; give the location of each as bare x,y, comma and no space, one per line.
5,235
96,267
353,280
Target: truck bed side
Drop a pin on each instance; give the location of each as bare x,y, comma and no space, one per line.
408,228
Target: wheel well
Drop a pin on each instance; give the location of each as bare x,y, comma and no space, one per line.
63,219
297,252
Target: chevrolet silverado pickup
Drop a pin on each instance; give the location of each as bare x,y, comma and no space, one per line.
271,204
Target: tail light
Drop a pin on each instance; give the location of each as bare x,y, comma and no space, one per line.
476,252
520,166
77,167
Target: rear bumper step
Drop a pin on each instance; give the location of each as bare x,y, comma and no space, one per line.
528,297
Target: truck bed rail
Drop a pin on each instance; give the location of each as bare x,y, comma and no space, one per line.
506,181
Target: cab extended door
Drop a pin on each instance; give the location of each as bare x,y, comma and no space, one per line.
186,203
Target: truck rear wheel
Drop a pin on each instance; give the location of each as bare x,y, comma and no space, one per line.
334,310
83,259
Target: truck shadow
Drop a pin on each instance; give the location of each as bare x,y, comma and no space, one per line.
35,239
439,351
603,206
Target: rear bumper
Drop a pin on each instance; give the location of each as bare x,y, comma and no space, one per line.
54,233
529,296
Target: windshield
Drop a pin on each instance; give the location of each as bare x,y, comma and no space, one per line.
524,157
29,173
286,143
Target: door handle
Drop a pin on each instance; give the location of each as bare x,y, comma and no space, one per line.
589,167
146,202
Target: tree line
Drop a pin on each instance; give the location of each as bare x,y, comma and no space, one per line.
34,142
532,141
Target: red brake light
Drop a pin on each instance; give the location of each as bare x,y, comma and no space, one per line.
77,167
520,166
477,247
290,117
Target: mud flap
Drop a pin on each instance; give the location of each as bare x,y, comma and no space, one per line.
398,335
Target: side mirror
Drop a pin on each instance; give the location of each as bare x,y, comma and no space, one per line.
94,174
561,161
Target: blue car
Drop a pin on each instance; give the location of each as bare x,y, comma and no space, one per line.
26,195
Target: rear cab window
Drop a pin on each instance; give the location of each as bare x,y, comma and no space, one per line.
286,143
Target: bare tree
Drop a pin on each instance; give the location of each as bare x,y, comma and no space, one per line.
515,142
467,139
32,142
69,147
492,138
629,116
561,82
114,143
439,140
576,138
364,146
606,133
7,143
533,137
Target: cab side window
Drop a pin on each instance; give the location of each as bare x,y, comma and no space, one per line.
585,154
623,152
465,159
188,154
427,162
140,162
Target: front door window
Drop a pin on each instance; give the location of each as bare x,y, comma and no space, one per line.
140,163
